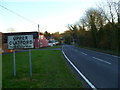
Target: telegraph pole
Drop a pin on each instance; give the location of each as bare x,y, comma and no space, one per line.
119,12
38,36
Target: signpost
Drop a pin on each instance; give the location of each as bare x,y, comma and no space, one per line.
30,61
21,42
14,61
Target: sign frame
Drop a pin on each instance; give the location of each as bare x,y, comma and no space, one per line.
20,42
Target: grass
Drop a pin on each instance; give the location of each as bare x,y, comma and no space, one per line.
50,70
102,50
58,46
0,72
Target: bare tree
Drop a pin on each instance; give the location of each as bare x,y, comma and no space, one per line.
83,23
110,9
95,17
118,11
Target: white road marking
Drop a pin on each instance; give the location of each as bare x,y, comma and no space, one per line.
105,53
109,55
89,83
84,53
116,56
102,53
101,60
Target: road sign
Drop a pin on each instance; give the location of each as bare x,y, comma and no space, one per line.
20,41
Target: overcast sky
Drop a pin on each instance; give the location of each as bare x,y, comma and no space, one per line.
51,15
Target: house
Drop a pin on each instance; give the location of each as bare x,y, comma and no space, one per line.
39,40
50,38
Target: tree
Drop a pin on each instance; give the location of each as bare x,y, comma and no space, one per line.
111,10
95,21
74,30
99,28
56,35
47,34
67,37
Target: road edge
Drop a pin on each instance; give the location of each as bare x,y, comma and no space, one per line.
86,80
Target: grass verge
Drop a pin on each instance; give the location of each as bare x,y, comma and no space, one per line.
49,71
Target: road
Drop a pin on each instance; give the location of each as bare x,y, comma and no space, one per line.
99,70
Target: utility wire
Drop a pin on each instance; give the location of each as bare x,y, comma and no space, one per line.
18,14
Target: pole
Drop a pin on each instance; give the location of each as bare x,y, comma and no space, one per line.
30,61
38,36
14,60
119,12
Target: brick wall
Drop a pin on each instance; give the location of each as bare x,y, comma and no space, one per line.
4,45
5,48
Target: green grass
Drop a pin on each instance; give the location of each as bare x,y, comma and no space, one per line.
102,50
50,70
0,72
58,46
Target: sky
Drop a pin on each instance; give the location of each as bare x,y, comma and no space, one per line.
51,15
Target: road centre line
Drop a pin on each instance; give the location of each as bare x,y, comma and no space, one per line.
89,83
102,53
84,53
101,60
116,56
108,54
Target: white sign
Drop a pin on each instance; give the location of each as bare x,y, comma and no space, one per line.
20,41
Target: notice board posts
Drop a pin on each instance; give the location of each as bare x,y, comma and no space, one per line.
21,42
14,62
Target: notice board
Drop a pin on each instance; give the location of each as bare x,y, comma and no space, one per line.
20,42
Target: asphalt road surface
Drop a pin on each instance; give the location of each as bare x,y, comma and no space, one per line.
99,70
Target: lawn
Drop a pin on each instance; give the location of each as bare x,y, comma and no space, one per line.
50,70
53,47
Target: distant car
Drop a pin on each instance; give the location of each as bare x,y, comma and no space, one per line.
50,43
57,43
54,43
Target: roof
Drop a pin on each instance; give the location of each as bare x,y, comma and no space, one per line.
35,34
